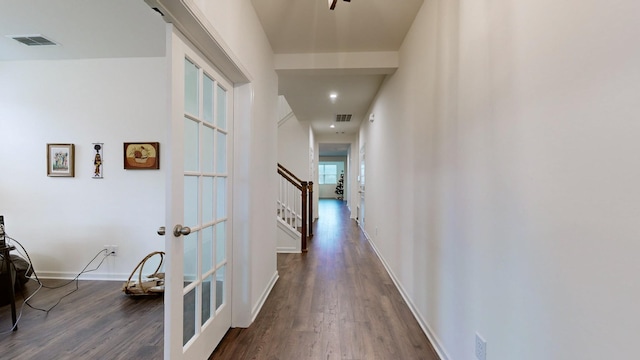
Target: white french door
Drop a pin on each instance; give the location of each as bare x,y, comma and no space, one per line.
198,268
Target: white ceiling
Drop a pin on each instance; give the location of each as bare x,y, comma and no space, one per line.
308,96
83,28
308,26
128,28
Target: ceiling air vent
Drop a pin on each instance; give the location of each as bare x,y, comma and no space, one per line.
32,40
343,117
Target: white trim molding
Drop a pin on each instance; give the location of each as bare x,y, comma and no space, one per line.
433,338
265,294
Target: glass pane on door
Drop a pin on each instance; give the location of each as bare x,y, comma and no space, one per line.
220,288
221,242
190,259
208,137
208,199
190,201
221,198
207,101
207,249
191,87
208,287
189,311
221,150
191,145
222,108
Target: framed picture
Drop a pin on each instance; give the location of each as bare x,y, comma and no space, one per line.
60,160
142,156
97,160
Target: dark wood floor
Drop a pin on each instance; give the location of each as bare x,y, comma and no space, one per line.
96,322
335,302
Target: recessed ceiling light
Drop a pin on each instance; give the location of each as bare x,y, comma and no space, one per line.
333,96
332,126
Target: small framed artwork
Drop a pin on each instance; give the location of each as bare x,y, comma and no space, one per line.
97,160
60,160
142,156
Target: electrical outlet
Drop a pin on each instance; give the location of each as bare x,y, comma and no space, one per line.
481,348
112,250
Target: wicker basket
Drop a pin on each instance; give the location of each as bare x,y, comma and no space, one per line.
152,284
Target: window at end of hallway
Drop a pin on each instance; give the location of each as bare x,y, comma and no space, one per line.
327,174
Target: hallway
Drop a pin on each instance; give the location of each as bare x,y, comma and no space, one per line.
335,302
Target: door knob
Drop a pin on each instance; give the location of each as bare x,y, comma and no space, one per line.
161,230
181,230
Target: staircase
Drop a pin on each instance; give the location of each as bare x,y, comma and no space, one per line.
294,212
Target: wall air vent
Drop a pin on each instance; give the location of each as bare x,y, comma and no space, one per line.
343,117
32,40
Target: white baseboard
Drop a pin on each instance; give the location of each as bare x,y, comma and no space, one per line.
433,338
288,250
86,276
265,294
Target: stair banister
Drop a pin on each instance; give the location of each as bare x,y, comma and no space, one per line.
289,210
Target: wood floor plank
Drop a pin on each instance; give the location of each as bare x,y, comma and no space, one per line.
334,302
96,322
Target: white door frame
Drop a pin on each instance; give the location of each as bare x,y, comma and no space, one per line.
188,19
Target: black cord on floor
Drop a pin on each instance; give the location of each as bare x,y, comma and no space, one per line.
41,285
76,280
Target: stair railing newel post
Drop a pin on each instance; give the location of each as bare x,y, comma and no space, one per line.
305,186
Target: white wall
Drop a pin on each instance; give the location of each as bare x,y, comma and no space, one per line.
293,147
516,208
64,222
255,127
